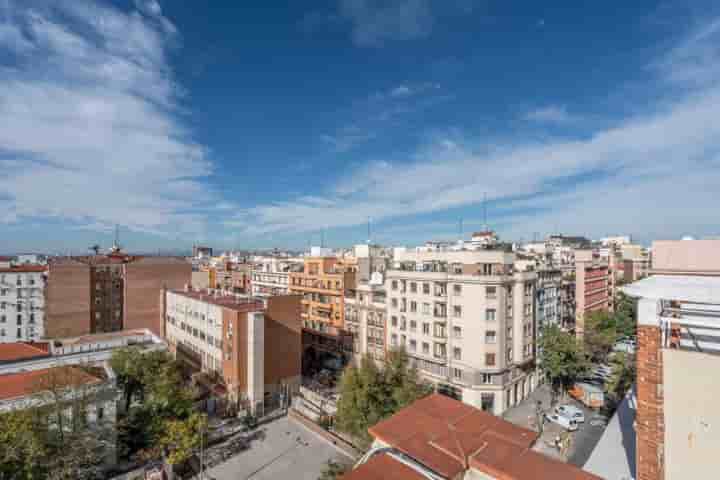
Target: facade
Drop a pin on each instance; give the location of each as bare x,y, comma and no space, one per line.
466,318
107,293
548,300
440,438
366,317
322,284
693,257
253,345
595,282
22,302
271,275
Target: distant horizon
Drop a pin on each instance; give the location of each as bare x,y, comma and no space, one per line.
265,125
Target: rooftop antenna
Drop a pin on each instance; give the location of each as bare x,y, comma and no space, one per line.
485,225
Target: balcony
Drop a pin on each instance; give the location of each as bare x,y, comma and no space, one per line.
440,313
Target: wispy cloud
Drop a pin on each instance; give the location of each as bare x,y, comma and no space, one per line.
92,122
373,23
653,173
550,114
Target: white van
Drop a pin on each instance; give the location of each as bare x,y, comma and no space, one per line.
565,422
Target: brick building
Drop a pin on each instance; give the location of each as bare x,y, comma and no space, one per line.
678,355
107,293
595,282
253,345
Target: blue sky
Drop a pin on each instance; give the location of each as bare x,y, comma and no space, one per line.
260,126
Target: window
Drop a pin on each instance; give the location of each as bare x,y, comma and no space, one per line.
528,309
19,319
457,353
457,311
491,292
457,290
394,285
413,345
457,268
19,333
394,302
413,287
440,350
509,354
2,332
426,288
403,323
3,319
393,340
490,315
100,413
426,308
487,402
425,346
490,336
403,340
457,373
457,332
413,306
413,325
426,328
486,378
528,289
490,359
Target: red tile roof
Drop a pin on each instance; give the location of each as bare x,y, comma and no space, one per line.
383,467
449,437
22,384
22,350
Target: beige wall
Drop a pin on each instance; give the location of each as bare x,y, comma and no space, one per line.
692,416
678,256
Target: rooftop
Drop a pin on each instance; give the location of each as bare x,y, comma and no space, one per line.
240,303
22,384
383,467
27,268
686,288
11,352
449,437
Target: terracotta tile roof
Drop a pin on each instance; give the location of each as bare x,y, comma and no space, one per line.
10,352
21,384
383,467
450,437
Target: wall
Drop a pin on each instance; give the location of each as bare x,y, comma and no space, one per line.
144,279
235,345
283,336
678,256
67,311
692,417
649,421
200,280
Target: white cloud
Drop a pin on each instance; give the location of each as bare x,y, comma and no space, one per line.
652,174
374,22
92,129
550,114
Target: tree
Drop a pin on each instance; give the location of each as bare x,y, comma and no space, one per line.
333,470
562,359
369,394
183,437
600,334
625,315
22,445
622,377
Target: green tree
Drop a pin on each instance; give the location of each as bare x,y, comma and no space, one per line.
369,394
182,438
562,359
333,470
600,334
22,445
625,315
623,376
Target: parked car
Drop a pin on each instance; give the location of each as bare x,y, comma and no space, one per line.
563,421
627,345
572,412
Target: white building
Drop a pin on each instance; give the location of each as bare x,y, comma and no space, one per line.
22,302
271,275
466,318
366,318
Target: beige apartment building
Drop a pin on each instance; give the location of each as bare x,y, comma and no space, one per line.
366,317
466,318
253,345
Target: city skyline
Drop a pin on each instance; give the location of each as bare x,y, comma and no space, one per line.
258,127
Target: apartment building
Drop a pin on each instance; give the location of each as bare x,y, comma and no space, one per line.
636,262
322,284
595,282
678,332
440,438
22,301
252,344
466,318
365,318
271,275
107,293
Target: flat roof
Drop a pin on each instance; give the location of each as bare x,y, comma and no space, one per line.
231,301
687,288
